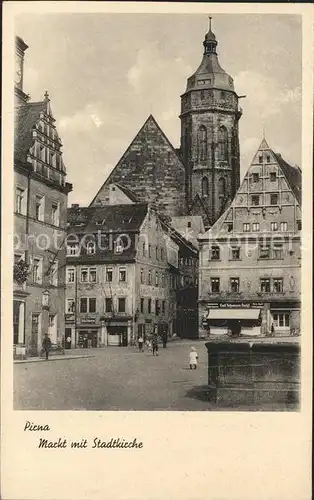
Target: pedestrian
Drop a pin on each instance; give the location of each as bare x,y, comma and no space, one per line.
46,345
193,357
272,329
68,341
149,345
155,344
140,343
164,339
85,341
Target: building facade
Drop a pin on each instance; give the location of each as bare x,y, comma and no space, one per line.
117,278
250,260
210,136
40,213
124,273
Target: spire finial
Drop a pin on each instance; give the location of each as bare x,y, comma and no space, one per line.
46,96
264,132
210,22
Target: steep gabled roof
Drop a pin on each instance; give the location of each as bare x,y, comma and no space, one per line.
25,120
111,176
114,218
293,176
105,226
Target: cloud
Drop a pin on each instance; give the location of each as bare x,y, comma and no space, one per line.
152,68
264,94
82,121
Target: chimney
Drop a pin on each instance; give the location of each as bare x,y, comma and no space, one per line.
75,205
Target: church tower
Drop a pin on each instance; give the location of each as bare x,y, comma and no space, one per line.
210,136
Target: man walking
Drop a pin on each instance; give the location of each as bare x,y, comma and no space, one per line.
46,345
164,339
155,344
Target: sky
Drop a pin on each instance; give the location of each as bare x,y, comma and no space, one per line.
106,73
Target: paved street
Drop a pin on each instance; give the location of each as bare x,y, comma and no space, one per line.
115,378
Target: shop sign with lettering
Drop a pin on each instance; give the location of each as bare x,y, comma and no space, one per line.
235,305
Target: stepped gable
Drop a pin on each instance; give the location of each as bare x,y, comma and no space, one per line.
151,169
286,185
26,118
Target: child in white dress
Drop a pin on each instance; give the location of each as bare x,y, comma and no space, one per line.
193,357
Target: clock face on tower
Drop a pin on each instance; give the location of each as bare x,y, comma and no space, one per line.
18,69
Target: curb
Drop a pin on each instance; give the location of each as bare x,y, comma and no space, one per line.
20,361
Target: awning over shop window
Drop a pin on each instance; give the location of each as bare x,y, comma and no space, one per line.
240,314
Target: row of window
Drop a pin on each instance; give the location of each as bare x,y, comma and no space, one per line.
160,278
147,251
274,226
267,285
256,198
188,261
265,252
89,305
73,249
262,158
21,202
89,274
255,177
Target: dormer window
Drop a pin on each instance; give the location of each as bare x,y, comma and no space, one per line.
72,249
255,177
118,247
260,159
91,248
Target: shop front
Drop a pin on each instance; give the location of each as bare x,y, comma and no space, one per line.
285,318
237,319
88,337
119,332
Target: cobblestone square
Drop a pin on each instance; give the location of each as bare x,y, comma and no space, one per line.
115,378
